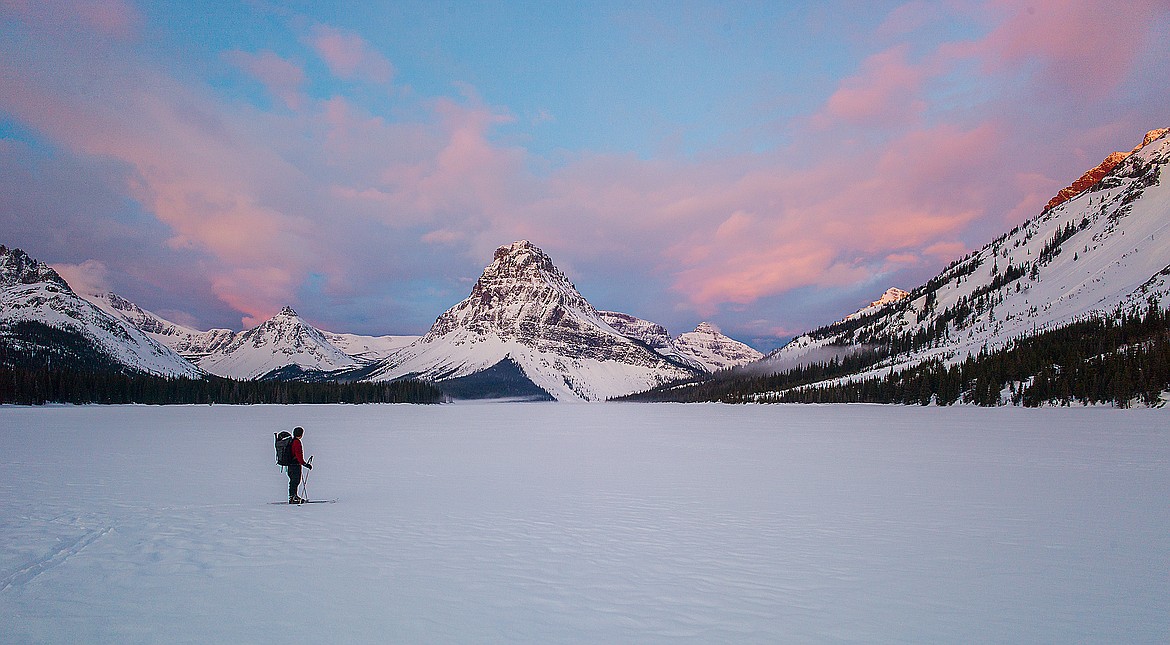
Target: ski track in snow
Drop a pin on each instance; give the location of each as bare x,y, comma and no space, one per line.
67,549
560,523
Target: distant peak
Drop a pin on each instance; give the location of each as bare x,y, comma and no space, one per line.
287,311
893,294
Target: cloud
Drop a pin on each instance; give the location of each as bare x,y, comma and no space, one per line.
281,77
905,164
109,18
885,91
1086,48
349,56
88,278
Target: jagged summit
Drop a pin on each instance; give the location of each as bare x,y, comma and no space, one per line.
1097,173
16,267
520,289
707,328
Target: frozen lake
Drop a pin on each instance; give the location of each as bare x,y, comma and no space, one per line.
602,523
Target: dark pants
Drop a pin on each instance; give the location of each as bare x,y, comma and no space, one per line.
294,479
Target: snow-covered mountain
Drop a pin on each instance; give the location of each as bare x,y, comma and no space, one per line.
368,349
654,335
893,294
524,318
196,345
280,342
1100,249
189,343
707,346
36,304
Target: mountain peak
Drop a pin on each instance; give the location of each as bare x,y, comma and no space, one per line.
520,286
707,328
288,312
1098,172
516,248
16,267
1152,136
708,346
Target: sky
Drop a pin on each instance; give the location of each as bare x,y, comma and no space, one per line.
766,166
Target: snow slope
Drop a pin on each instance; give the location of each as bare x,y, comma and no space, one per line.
31,291
586,524
1104,248
368,349
192,344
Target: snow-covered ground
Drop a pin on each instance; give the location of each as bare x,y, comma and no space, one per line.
604,523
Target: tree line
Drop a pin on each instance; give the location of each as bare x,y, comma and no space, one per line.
42,364
1119,360
40,385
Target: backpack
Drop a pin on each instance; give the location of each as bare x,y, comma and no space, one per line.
284,456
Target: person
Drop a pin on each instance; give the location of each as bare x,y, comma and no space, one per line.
294,471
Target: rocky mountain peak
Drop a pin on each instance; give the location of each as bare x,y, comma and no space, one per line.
893,294
521,290
1152,136
707,328
287,312
16,267
1101,170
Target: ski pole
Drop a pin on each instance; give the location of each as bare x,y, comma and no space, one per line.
305,480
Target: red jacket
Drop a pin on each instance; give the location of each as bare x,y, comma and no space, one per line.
297,451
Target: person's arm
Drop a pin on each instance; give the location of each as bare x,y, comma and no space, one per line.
299,454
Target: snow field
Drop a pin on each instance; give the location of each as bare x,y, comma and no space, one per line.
586,523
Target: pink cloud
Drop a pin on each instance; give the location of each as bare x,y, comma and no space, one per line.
272,197
281,77
1083,46
885,91
113,18
349,56
837,222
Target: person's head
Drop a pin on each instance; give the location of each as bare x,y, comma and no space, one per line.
298,431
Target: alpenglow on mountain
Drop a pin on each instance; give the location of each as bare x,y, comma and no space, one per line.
1105,248
526,330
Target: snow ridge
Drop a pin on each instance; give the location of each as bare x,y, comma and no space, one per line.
31,291
1105,248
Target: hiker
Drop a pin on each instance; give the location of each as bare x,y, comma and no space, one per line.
294,469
